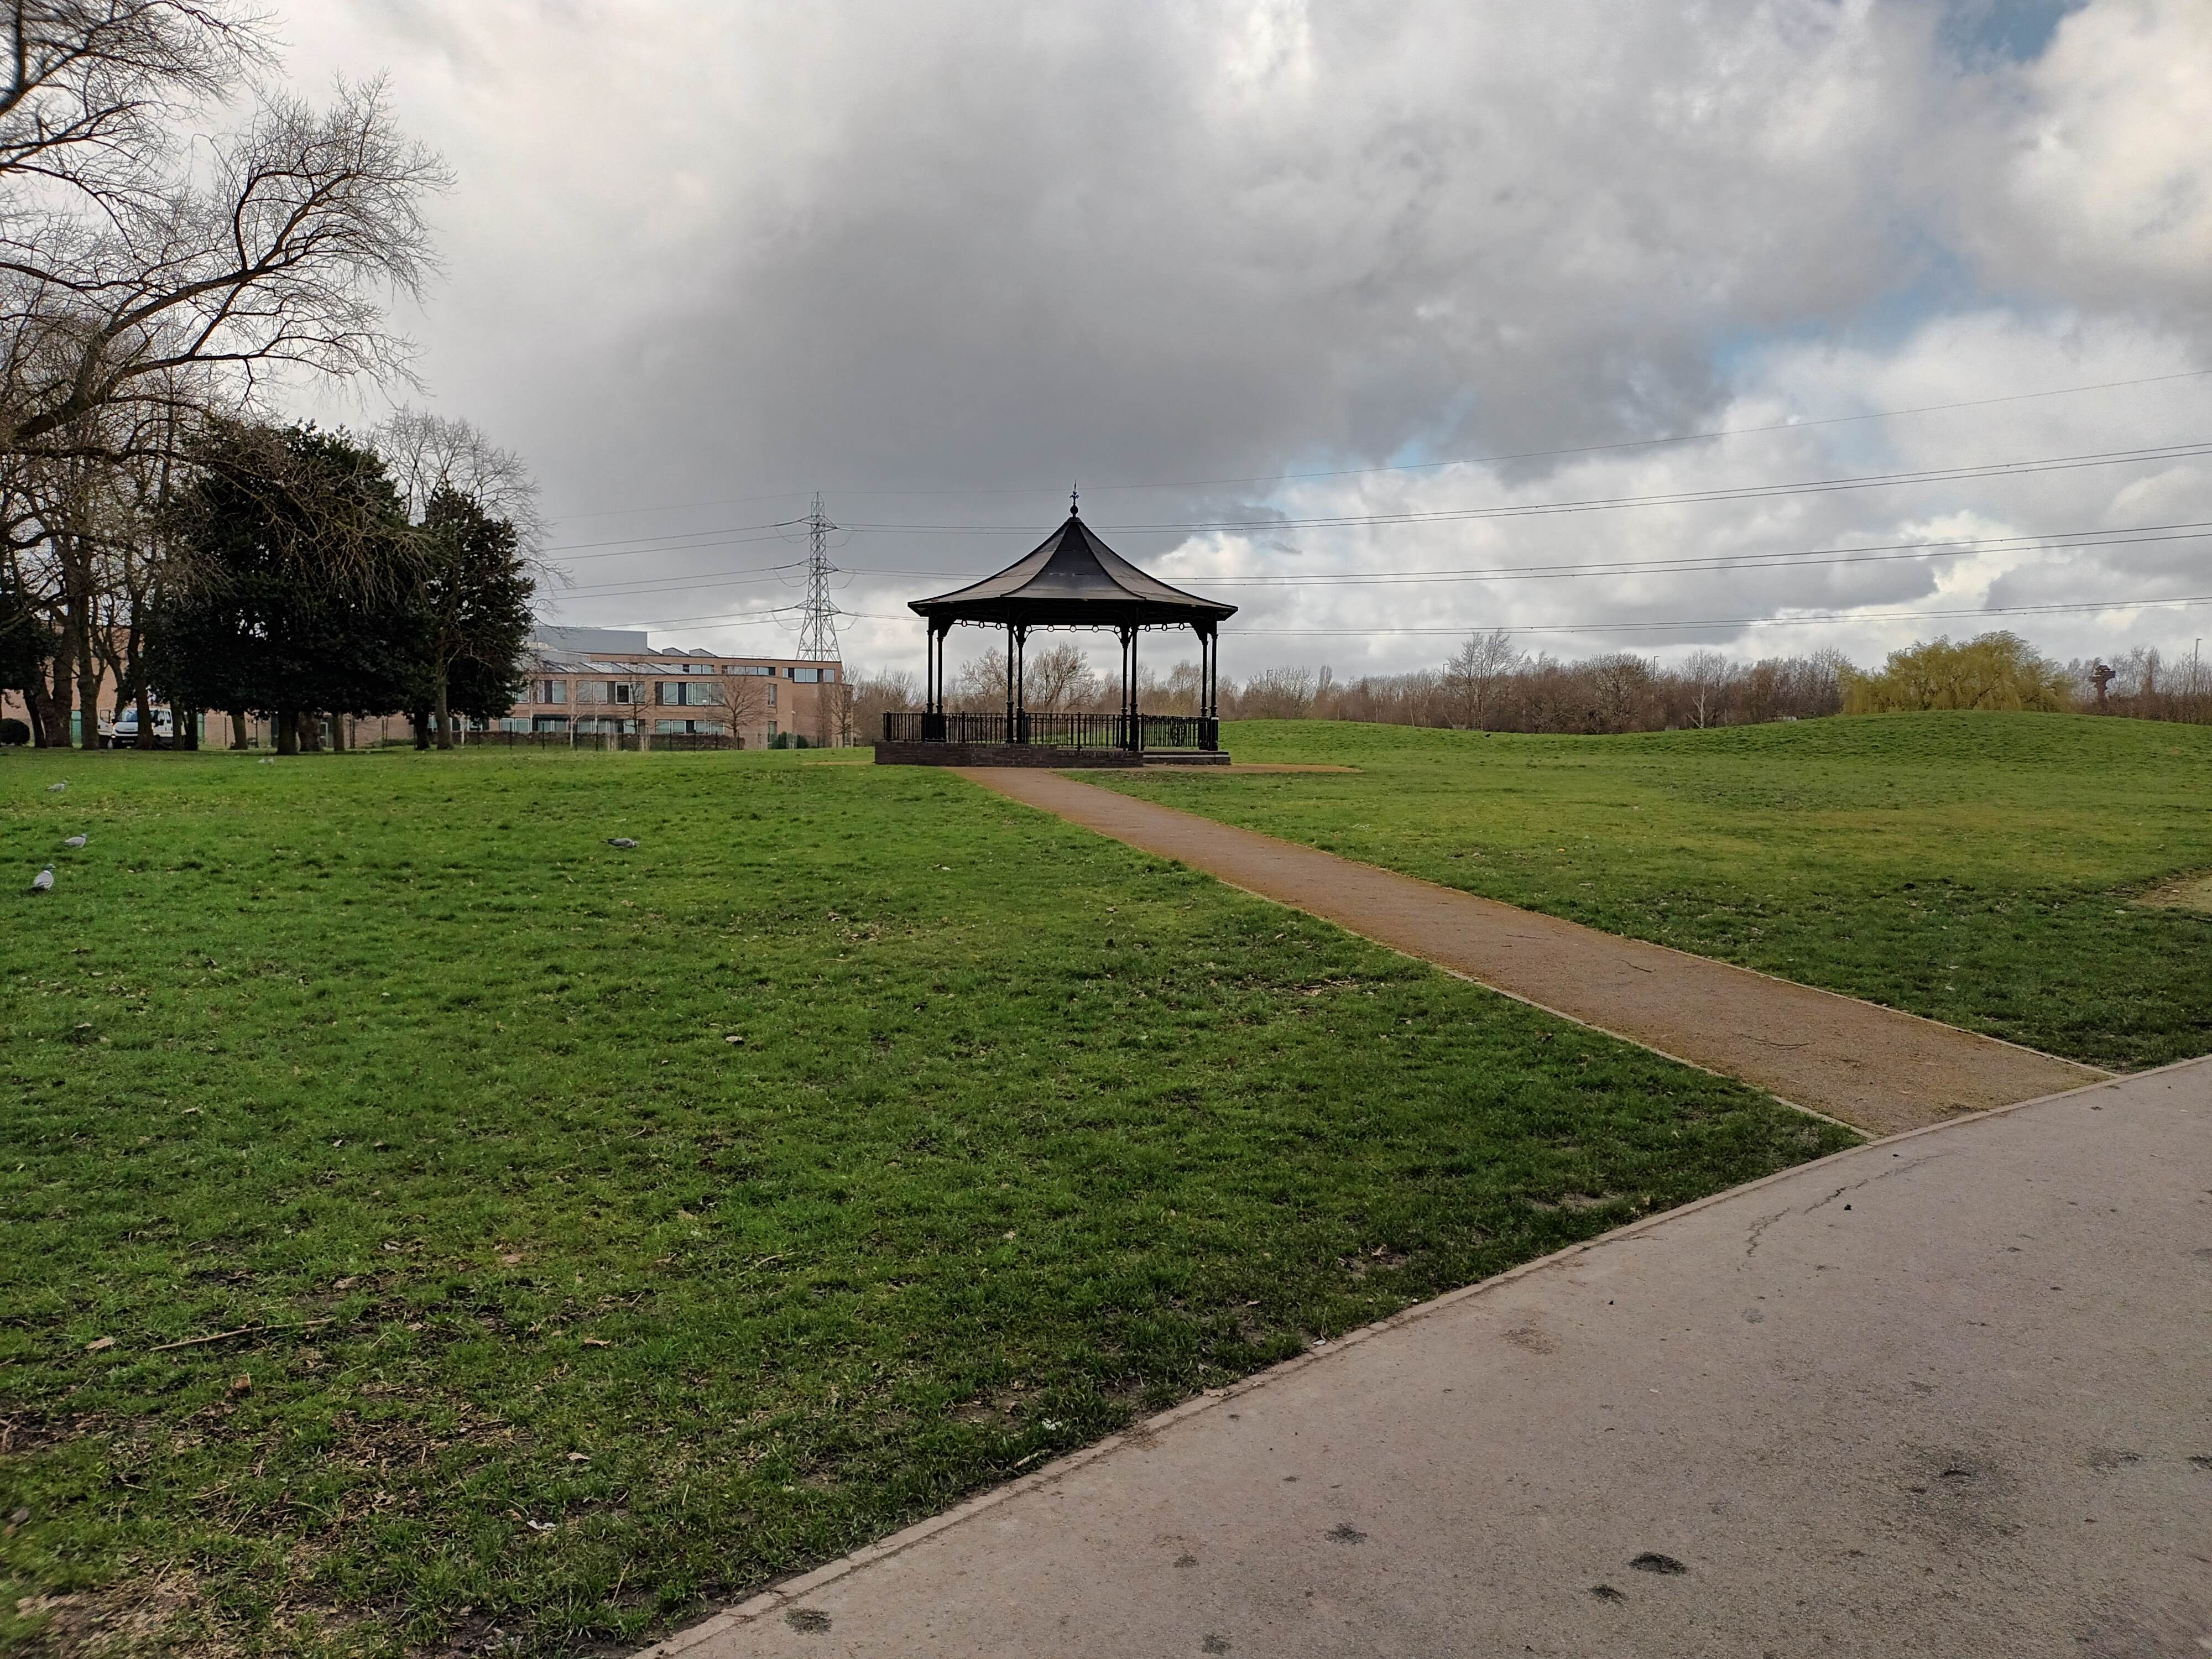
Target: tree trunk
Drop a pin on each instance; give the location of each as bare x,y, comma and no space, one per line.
145,707
288,731
87,670
187,729
338,732
238,728
420,720
56,703
445,713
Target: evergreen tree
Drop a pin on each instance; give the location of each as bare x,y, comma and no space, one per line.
473,605
297,581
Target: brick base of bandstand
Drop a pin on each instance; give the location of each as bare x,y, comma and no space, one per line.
1055,756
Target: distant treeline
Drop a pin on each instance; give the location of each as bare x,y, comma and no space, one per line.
1492,685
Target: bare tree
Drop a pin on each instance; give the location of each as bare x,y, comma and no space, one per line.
836,706
980,684
1706,676
279,252
742,701
632,683
426,453
1474,674
94,88
877,693
1060,678
1177,692
1277,694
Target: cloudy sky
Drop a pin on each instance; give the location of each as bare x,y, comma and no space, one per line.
1386,322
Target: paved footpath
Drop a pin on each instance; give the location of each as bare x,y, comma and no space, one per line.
1948,1394
1871,1067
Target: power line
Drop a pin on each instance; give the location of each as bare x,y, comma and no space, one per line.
1803,558
675,535
1468,460
1813,619
1533,509
1608,503
780,613
1810,620
737,578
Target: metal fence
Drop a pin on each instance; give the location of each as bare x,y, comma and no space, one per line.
1155,731
602,740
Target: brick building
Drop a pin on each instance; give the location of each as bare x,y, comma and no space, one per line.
611,680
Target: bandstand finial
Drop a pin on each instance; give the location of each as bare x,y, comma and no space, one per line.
1074,495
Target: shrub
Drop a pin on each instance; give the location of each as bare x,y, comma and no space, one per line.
13,734
1996,670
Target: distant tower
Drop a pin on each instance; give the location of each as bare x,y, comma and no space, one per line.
818,632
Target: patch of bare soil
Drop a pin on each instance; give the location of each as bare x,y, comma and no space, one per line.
2186,893
164,1614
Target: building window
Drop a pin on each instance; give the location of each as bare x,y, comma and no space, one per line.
680,694
549,691
758,671
771,698
771,728
805,676
619,691
549,723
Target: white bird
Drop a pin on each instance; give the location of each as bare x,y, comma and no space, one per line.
77,841
44,881
56,788
620,840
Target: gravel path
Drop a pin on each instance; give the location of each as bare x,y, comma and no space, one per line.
1872,1068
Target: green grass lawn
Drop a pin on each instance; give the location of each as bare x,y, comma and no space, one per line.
1980,869
563,1314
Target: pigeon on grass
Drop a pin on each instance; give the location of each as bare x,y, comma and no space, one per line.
56,788
621,841
77,841
44,881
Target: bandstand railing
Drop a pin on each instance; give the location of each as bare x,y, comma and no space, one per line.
1154,733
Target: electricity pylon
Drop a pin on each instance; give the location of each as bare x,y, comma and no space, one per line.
817,632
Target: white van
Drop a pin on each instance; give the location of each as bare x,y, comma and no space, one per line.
122,733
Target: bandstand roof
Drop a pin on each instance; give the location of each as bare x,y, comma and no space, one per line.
1073,579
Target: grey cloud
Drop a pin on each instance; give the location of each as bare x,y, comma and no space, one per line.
918,255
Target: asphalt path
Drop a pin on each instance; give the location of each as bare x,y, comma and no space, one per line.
1947,1393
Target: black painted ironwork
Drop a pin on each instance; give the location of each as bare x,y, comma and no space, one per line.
1070,580
1154,733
